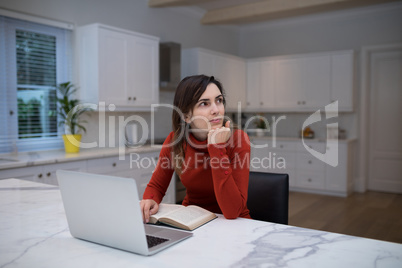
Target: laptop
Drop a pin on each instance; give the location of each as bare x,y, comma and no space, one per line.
106,210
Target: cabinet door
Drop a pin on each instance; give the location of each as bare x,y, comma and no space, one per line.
234,82
337,177
289,83
253,85
49,171
267,88
113,66
143,70
26,173
342,79
316,81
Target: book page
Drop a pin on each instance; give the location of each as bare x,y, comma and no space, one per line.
189,215
165,209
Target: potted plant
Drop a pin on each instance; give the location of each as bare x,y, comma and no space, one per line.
261,125
70,113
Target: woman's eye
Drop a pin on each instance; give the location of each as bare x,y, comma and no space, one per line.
203,103
220,100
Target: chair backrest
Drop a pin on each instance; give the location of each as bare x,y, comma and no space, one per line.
268,197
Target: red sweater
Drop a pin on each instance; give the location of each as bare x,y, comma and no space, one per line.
215,175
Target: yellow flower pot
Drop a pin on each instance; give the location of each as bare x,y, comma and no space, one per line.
72,143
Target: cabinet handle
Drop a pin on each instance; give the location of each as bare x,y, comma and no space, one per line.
309,180
48,174
156,158
248,103
114,164
129,98
281,146
134,98
40,175
298,103
310,162
303,102
261,103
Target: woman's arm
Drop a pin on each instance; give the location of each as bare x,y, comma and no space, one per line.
230,172
160,180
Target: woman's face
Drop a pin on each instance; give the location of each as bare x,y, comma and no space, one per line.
207,113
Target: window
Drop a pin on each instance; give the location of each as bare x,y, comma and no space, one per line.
34,58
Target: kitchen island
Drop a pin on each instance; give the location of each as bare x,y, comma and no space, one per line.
34,233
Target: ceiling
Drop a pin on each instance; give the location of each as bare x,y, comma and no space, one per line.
238,12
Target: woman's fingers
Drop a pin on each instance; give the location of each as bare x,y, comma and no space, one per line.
148,207
219,135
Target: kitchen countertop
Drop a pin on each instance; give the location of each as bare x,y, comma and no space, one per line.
269,138
34,233
26,159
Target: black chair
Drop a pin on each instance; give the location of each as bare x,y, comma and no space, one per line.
268,197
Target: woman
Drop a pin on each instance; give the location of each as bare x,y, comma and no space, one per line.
211,161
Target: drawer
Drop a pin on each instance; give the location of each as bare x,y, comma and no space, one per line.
107,165
314,145
306,161
310,180
285,146
272,160
283,159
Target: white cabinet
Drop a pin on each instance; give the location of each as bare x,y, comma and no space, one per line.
301,83
288,83
306,172
343,170
342,79
118,67
138,166
260,85
43,173
228,69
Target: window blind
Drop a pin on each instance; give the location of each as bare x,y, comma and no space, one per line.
34,59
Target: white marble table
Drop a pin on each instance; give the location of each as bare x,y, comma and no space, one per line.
34,233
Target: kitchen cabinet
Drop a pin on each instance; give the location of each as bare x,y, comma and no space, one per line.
342,79
138,166
301,83
44,173
260,85
306,173
118,67
228,69
343,170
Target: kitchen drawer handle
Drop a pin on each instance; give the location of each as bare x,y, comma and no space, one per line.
129,98
114,164
134,98
40,175
48,174
309,180
310,162
281,146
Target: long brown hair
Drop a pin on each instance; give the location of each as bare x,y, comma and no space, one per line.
188,92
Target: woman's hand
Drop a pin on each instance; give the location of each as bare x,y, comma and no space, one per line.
219,135
148,208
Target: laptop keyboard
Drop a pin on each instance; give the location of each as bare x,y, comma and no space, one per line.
154,241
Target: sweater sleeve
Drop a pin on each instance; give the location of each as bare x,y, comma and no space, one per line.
230,171
162,175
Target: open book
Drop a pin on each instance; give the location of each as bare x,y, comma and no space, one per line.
187,218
